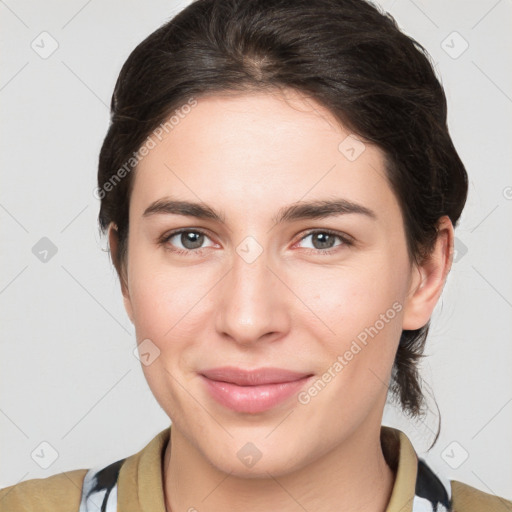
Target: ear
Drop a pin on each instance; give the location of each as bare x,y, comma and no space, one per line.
429,278
113,241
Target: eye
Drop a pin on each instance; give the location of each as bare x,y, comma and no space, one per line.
191,241
323,241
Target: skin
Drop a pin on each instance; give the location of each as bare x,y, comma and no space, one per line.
248,155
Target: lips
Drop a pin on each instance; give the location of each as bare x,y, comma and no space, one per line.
252,391
256,377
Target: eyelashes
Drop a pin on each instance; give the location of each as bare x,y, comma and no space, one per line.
346,241
166,238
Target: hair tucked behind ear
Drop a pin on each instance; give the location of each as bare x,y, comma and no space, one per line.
346,55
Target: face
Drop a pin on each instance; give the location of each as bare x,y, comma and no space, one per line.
322,291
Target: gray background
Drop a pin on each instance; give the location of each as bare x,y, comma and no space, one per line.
68,374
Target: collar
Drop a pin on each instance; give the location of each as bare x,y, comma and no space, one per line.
135,484
417,488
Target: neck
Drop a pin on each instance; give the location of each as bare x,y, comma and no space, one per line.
353,477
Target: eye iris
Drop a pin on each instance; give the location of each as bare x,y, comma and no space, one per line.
193,238
324,239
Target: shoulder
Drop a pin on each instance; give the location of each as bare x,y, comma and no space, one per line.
56,493
469,499
83,489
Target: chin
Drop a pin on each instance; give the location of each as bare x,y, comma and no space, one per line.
246,460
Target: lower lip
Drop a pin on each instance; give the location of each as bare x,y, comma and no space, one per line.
252,399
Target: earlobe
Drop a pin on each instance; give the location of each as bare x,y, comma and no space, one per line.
113,240
429,279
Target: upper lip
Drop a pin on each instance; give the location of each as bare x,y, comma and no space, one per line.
254,377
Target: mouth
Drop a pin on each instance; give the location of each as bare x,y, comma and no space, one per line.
253,391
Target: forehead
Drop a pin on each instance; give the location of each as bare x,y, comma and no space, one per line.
259,149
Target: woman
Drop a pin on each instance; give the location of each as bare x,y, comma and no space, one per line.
280,190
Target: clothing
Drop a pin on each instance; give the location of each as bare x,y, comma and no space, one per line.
135,484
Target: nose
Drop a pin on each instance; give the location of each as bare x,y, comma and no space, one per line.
253,304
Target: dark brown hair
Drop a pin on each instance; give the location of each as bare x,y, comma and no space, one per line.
345,54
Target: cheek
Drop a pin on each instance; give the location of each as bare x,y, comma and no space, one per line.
360,309
159,301
163,306
169,302
351,298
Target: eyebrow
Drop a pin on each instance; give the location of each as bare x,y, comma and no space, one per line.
318,209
